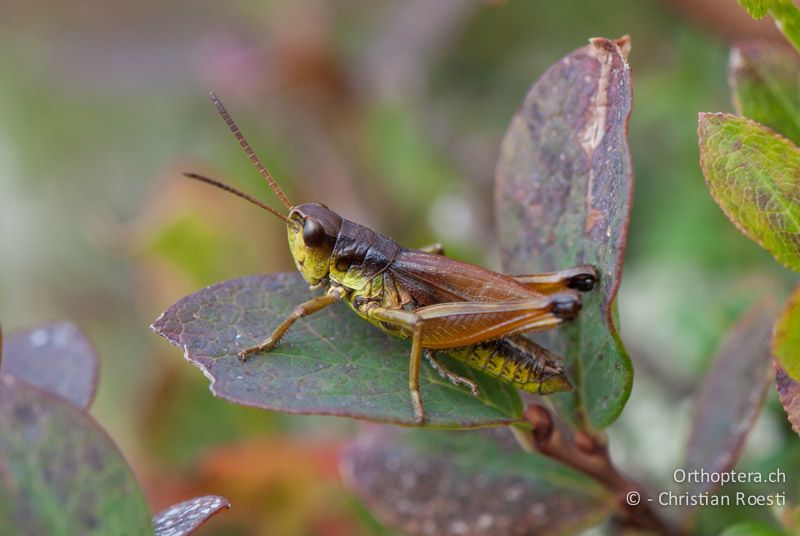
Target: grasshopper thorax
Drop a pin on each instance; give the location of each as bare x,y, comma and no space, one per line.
313,229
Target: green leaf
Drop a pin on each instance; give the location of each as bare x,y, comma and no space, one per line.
785,13
787,18
564,186
765,78
331,363
753,173
786,339
475,482
756,8
183,518
55,357
60,474
731,397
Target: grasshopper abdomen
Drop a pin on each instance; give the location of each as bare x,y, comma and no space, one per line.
518,361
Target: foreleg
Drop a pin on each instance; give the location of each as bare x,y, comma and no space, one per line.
304,309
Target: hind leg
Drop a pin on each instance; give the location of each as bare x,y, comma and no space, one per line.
582,278
456,324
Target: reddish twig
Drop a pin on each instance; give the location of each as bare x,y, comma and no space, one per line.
589,455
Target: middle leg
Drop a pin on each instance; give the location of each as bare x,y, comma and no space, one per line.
411,322
449,375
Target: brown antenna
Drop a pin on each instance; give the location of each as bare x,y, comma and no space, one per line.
249,151
234,191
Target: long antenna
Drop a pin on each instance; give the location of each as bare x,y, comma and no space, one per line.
234,191
249,151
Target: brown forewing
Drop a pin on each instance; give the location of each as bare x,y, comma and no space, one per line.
432,279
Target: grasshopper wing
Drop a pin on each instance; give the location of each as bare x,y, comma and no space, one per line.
432,279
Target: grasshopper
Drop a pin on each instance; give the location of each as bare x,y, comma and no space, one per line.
441,304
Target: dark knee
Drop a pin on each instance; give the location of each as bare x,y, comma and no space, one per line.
584,282
566,306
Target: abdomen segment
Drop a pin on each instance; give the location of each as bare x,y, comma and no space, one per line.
518,361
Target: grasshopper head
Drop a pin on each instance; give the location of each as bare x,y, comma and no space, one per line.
312,233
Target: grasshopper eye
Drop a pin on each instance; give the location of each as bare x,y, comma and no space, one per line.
313,233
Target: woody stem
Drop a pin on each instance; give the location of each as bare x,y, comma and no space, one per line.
589,455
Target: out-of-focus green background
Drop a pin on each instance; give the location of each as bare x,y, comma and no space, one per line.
392,114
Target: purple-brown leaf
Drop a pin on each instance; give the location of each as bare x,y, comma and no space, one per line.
183,518
468,484
789,393
564,186
731,396
55,357
330,363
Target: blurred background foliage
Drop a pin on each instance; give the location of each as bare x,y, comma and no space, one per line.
392,114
